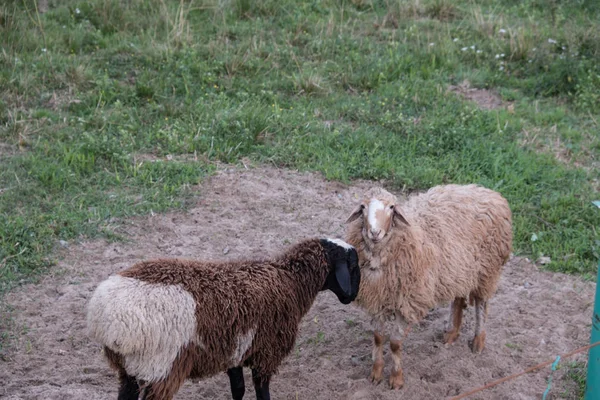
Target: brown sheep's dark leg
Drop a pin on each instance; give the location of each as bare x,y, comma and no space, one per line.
236,381
261,385
455,320
129,389
146,392
480,316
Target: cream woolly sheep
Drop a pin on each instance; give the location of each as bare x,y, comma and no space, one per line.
447,244
164,321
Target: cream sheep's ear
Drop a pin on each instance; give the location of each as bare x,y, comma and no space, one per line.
356,213
398,215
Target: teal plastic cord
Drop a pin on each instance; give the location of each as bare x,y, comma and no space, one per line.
554,365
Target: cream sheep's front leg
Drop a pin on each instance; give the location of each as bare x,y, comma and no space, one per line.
455,320
480,316
398,336
377,353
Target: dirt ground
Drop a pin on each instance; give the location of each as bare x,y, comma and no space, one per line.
484,98
246,213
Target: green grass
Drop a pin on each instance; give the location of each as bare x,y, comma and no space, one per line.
110,109
575,379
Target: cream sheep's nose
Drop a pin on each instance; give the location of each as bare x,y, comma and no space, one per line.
375,232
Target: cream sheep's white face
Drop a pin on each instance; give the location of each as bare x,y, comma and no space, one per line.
378,216
378,213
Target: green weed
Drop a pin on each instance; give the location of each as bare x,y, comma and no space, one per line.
575,379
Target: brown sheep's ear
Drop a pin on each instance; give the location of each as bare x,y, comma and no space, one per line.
355,214
398,215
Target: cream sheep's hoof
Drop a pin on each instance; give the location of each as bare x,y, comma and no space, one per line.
377,372
397,380
450,337
478,343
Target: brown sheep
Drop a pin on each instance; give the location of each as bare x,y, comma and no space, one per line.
446,245
164,321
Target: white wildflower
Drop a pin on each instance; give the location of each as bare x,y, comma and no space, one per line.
552,41
497,55
530,61
501,68
77,11
534,49
502,55
472,47
455,39
502,31
431,44
44,50
564,47
479,51
464,49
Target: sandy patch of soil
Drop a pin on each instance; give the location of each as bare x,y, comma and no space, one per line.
485,99
246,213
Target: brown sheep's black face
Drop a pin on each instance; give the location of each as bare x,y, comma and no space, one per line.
344,276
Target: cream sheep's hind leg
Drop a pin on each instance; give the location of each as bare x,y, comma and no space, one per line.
396,340
377,354
454,320
480,316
